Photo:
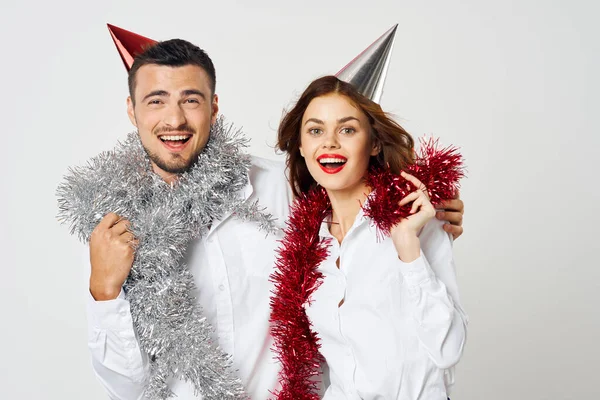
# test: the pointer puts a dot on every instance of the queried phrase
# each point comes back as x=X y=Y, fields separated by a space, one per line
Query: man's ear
x=130 y=111
x=215 y=109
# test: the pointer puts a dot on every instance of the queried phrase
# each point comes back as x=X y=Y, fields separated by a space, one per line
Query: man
x=173 y=104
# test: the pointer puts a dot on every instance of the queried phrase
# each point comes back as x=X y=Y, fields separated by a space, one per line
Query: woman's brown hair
x=395 y=143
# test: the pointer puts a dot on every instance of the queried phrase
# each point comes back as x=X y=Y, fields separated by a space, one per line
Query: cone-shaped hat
x=368 y=70
x=129 y=44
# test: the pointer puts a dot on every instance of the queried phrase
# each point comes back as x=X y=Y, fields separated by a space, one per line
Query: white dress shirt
x=400 y=328
x=231 y=267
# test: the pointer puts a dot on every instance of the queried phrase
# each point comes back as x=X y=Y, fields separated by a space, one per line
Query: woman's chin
x=343 y=187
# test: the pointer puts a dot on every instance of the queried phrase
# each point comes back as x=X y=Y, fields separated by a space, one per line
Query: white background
x=514 y=83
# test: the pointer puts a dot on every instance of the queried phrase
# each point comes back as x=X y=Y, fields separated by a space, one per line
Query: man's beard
x=176 y=165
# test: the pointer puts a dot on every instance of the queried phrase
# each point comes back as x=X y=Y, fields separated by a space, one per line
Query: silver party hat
x=368 y=70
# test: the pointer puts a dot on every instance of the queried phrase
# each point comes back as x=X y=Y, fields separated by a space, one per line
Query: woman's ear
x=376 y=148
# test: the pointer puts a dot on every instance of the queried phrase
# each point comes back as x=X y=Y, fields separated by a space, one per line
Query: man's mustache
x=182 y=128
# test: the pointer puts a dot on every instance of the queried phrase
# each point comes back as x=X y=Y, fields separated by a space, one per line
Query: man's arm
x=117 y=359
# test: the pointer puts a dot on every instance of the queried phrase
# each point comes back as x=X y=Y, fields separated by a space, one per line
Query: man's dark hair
x=174 y=53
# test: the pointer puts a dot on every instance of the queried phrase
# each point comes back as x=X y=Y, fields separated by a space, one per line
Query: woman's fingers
x=411 y=197
x=416 y=204
x=418 y=198
x=412 y=179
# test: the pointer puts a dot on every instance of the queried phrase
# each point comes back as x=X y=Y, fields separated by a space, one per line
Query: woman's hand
x=404 y=234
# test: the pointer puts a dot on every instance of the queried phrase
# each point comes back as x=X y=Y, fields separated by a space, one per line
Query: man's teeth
x=332 y=161
x=174 y=138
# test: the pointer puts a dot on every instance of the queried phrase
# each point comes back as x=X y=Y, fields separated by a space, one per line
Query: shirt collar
x=360 y=219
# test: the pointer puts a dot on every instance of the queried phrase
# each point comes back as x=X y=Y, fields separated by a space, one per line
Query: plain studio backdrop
x=513 y=83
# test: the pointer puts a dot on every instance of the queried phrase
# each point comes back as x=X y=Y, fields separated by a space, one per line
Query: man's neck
x=169 y=177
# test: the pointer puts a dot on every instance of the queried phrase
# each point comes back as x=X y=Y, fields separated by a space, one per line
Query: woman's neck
x=345 y=205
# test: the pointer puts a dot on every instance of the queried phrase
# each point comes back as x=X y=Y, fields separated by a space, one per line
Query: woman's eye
x=348 y=130
x=314 y=131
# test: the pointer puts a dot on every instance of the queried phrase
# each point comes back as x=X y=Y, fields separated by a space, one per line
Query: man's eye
x=154 y=102
x=192 y=101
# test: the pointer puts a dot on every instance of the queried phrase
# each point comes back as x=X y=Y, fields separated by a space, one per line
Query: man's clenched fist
x=111 y=256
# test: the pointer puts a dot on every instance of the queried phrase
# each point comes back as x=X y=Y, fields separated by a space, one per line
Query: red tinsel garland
x=296 y=276
x=438 y=169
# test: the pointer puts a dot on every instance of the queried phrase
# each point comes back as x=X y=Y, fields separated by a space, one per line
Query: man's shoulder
x=265 y=170
x=264 y=165
x=270 y=184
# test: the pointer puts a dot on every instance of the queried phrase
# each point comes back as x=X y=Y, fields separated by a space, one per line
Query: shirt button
x=123 y=313
x=131 y=345
x=221 y=287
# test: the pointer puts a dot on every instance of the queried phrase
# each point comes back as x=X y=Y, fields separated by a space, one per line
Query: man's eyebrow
x=156 y=93
x=189 y=92
x=318 y=121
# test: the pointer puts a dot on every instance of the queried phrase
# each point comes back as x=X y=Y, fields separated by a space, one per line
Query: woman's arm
x=441 y=322
x=427 y=265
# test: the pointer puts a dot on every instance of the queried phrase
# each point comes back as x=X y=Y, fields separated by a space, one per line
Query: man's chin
x=178 y=167
x=175 y=164
x=176 y=170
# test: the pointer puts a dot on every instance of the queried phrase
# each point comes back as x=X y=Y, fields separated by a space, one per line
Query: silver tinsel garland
x=166 y=218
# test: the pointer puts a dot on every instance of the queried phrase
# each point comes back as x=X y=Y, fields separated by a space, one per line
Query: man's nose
x=174 y=116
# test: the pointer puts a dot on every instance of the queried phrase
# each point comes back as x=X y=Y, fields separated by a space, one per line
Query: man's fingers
x=454 y=230
x=108 y=221
x=127 y=237
x=453 y=205
x=455 y=218
x=120 y=227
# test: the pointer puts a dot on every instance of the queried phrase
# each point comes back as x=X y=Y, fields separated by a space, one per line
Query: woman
x=382 y=312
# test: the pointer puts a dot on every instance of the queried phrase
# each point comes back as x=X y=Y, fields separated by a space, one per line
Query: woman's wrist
x=408 y=246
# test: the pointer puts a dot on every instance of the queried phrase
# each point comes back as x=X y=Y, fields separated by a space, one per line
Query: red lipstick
x=331 y=163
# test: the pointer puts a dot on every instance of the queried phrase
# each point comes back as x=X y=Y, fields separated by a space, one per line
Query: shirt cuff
x=114 y=315
x=417 y=272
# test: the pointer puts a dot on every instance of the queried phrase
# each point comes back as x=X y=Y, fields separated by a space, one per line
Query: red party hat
x=129 y=44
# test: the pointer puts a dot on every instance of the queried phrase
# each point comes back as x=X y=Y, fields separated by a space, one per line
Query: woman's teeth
x=332 y=161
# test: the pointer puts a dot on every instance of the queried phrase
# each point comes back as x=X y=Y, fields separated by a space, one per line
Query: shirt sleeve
x=441 y=322
x=117 y=360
